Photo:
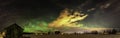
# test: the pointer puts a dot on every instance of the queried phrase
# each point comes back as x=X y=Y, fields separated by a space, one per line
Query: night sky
x=102 y=13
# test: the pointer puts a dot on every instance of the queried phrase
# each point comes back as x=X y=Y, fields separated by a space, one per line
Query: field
x=74 y=36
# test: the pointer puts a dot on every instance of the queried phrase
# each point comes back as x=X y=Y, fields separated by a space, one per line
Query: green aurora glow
x=36 y=26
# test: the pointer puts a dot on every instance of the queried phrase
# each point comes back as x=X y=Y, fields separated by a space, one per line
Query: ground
x=76 y=36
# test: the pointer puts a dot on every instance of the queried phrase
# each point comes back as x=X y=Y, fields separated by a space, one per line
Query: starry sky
x=102 y=13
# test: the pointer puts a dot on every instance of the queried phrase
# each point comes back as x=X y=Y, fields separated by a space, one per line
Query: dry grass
x=75 y=36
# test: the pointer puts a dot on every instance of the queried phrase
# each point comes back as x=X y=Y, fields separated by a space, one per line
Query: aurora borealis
x=65 y=20
x=35 y=15
x=36 y=25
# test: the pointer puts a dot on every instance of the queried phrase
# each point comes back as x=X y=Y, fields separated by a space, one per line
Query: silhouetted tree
x=94 y=32
x=49 y=32
x=113 y=31
x=57 y=32
x=75 y=33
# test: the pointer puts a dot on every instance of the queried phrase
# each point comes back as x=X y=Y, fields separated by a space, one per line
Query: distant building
x=13 y=31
